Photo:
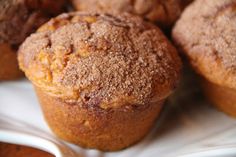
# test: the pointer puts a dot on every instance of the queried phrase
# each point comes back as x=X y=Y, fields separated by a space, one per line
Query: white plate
x=188 y=127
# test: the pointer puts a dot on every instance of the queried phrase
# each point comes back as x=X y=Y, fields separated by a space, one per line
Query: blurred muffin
x=19 y=18
x=12 y=150
x=162 y=12
x=101 y=79
x=208 y=38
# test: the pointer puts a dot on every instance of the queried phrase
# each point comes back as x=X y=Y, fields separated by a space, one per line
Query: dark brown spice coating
x=101 y=59
x=208 y=38
x=163 y=12
x=19 y=18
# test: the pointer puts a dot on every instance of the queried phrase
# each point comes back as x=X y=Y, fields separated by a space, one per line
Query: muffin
x=208 y=39
x=19 y=18
x=13 y=150
x=162 y=12
x=101 y=79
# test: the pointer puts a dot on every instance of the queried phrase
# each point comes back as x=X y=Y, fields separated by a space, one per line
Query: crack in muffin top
x=104 y=59
x=208 y=38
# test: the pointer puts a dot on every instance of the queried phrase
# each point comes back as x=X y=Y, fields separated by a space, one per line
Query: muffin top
x=104 y=59
x=19 y=18
x=164 y=12
x=208 y=38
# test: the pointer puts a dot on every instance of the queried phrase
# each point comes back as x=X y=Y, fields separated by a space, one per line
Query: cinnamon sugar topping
x=101 y=58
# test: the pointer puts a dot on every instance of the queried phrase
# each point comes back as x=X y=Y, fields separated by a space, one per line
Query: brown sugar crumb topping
x=210 y=35
x=164 y=12
x=100 y=59
x=19 y=18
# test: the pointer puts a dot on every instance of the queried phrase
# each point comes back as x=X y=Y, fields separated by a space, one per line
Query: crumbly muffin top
x=207 y=34
x=164 y=12
x=101 y=59
x=19 y=18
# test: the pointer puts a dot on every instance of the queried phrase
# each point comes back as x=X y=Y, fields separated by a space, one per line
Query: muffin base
x=9 y=69
x=93 y=127
x=222 y=97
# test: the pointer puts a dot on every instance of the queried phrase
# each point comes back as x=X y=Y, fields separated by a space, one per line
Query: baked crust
x=8 y=60
x=102 y=59
x=207 y=37
x=222 y=97
x=163 y=12
x=94 y=127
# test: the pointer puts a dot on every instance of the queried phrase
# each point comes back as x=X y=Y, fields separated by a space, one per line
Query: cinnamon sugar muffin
x=19 y=18
x=162 y=12
x=208 y=38
x=101 y=79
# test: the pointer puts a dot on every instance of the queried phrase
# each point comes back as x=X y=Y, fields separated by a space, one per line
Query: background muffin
x=208 y=40
x=101 y=79
x=12 y=150
x=19 y=18
x=162 y=12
